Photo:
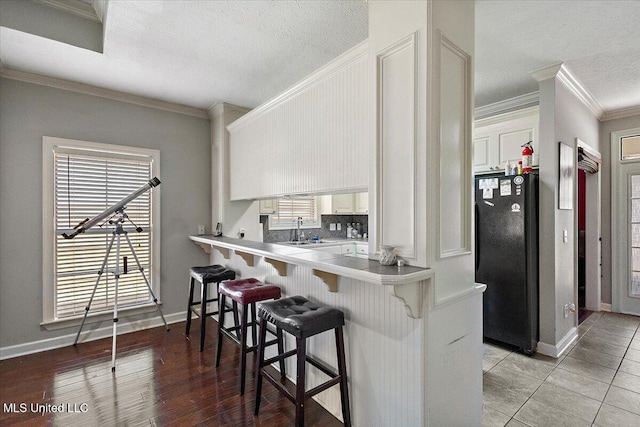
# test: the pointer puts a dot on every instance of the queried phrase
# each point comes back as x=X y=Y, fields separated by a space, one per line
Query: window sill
x=97 y=317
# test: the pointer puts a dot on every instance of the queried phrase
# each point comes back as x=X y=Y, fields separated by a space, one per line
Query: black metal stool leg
x=203 y=317
x=254 y=330
x=191 y=286
x=243 y=347
x=220 y=326
x=301 y=344
x=261 y=341
x=279 y=337
x=342 y=371
x=236 y=321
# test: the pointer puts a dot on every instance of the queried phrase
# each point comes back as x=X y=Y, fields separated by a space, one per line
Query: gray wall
x=562 y=118
x=27 y=113
x=606 y=128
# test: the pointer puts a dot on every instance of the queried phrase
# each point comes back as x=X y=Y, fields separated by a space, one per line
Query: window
x=289 y=209
x=82 y=180
x=630 y=147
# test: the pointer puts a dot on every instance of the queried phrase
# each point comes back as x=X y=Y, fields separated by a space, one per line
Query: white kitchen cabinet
x=348 y=249
x=331 y=249
x=357 y=203
x=361 y=203
x=499 y=139
x=268 y=206
x=362 y=250
x=342 y=203
x=288 y=145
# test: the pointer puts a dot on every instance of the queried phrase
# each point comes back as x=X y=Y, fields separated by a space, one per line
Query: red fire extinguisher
x=527 y=157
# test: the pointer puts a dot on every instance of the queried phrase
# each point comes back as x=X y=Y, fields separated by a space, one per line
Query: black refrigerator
x=506 y=220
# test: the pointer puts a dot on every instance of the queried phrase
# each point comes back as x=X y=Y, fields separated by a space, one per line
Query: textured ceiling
x=199 y=53
x=599 y=41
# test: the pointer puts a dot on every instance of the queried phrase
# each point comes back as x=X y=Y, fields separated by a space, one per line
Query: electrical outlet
x=241 y=233
x=338 y=226
x=201 y=229
x=332 y=227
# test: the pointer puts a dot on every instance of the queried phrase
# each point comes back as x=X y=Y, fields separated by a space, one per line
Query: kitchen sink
x=305 y=243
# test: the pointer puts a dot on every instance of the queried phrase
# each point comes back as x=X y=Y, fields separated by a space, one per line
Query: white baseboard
x=87 y=335
x=557 y=349
x=605 y=307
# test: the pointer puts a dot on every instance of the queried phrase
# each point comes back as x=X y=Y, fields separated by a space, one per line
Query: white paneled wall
x=384 y=348
x=312 y=138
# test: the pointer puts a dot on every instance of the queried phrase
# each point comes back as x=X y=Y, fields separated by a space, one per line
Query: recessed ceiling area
x=199 y=53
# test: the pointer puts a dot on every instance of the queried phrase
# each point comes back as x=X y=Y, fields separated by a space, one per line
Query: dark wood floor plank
x=161 y=379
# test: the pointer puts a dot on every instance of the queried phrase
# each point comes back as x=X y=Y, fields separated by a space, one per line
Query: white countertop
x=366 y=270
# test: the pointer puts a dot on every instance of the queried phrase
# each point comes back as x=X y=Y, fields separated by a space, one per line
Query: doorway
x=588 y=231
x=625 y=221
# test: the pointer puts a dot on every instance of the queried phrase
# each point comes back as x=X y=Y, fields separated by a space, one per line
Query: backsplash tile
x=272 y=236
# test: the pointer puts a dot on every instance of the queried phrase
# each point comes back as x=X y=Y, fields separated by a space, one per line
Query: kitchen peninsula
x=326 y=266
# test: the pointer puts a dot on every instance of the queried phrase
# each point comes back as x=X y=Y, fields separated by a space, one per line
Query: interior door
x=625 y=218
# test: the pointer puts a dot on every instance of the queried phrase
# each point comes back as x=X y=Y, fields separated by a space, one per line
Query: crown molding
x=75 y=7
x=572 y=83
x=621 y=113
x=528 y=112
x=53 y=82
x=219 y=108
x=516 y=103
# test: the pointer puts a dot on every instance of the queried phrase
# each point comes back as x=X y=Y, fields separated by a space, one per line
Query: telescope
x=87 y=223
x=118 y=232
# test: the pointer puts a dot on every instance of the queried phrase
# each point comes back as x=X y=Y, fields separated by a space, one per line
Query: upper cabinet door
x=342 y=204
x=510 y=143
x=361 y=203
x=500 y=138
x=482 y=155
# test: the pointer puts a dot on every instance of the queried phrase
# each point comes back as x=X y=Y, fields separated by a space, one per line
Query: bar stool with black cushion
x=246 y=293
x=302 y=319
x=206 y=275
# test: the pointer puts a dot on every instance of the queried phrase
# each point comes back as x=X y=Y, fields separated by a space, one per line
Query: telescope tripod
x=116 y=235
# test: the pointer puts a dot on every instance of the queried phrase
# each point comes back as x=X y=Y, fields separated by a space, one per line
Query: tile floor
x=595 y=383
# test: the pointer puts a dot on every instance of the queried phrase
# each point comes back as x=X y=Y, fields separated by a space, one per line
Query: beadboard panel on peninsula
x=313 y=138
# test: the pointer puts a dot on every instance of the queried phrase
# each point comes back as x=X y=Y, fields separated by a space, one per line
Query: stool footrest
x=279 y=357
x=322 y=367
x=195 y=311
x=279 y=386
x=322 y=387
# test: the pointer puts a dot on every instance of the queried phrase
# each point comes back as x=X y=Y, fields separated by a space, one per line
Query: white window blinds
x=289 y=209
x=86 y=183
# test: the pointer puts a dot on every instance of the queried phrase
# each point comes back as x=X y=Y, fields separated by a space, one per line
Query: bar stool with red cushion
x=246 y=292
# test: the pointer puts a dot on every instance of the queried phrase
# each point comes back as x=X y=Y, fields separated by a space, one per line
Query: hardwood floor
x=161 y=379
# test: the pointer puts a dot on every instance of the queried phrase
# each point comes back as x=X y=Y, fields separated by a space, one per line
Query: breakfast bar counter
x=366 y=270
x=403 y=346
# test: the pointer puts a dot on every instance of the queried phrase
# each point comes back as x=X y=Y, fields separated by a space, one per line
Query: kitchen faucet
x=300 y=234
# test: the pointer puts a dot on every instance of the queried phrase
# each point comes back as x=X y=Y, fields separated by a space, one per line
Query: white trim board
x=53 y=82
x=124 y=327
x=572 y=83
x=556 y=350
x=507 y=105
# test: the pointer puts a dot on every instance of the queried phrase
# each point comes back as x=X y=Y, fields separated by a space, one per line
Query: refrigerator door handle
x=477 y=232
